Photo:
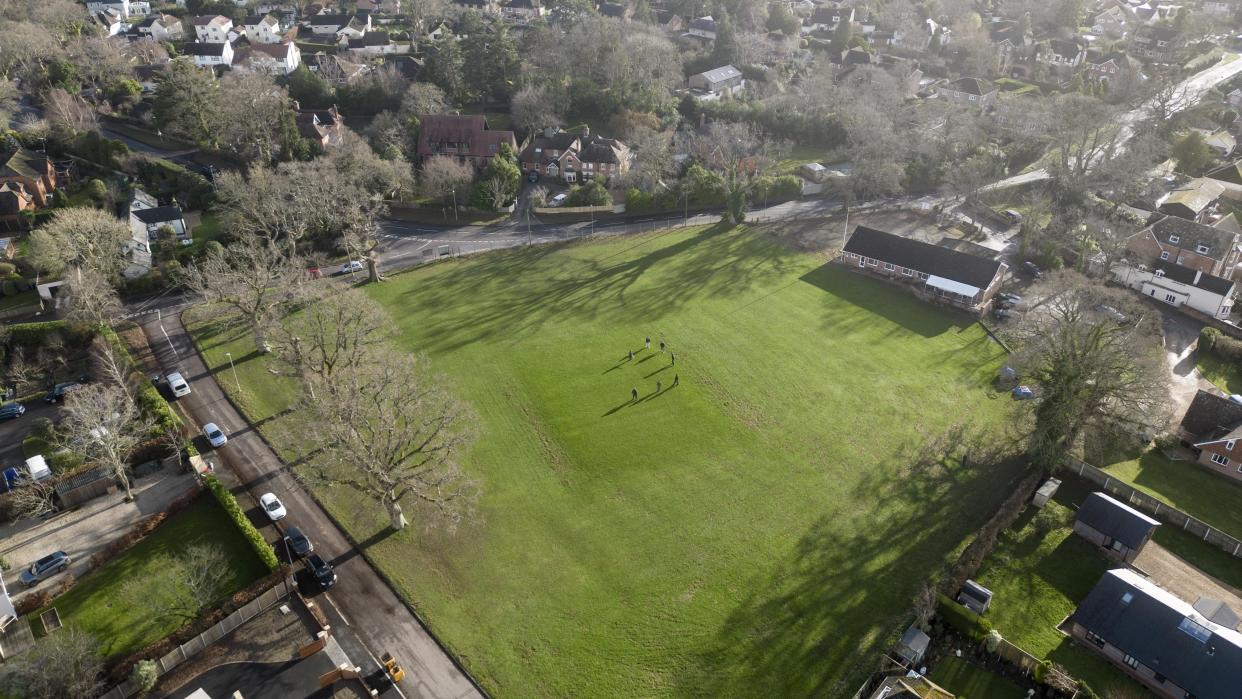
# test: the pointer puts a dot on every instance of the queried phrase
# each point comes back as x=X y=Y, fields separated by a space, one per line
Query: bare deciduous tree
x=79 y=237
x=68 y=115
x=739 y=154
x=444 y=179
x=195 y=579
x=64 y=665
x=336 y=328
x=532 y=109
x=33 y=498
x=253 y=276
x=92 y=297
x=102 y=423
x=1094 y=369
x=393 y=434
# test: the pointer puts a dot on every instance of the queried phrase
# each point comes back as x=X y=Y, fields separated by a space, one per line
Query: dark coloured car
x=60 y=390
x=9 y=411
x=1002 y=314
x=296 y=543
x=1012 y=299
x=321 y=570
x=1032 y=269
x=532 y=176
x=45 y=568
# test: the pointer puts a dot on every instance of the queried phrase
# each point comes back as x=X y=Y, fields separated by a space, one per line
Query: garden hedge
x=962 y=619
x=30 y=335
x=266 y=553
x=148 y=398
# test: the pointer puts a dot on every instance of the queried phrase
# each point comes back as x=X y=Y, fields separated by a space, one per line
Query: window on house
x=872 y=262
x=862 y=262
x=1202 y=249
x=922 y=276
x=1229 y=444
x=1131 y=661
x=908 y=272
x=1220 y=459
x=1159 y=273
x=1164 y=255
x=1127 y=598
x=1175 y=239
x=1095 y=639
x=1181 y=259
x=1170 y=298
x=888 y=266
x=1195 y=630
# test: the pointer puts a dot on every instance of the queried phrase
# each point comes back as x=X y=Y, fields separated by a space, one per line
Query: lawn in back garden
x=100 y=605
x=1187 y=486
x=759 y=530
x=969 y=681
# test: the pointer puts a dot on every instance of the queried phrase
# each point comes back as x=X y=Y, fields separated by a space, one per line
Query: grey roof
x=1064 y=47
x=1217 y=611
x=976 y=591
x=159 y=214
x=1193 y=234
x=915 y=639
x=972 y=86
x=1211 y=415
x=84 y=478
x=612 y=9
x=706 y=24
x=1116 y=519
x=924 y=257
x=1186 y=275
x=716 y=75
x=1141 y=620
x=199 y=48
x=371 y=39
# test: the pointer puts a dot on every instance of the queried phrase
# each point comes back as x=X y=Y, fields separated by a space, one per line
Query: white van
x=37 y=467
x=178 y=384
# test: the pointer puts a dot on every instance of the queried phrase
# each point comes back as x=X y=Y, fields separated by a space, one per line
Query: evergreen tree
x=444 y=68
x=841 y=37
x=725 y=49
x=781 y=19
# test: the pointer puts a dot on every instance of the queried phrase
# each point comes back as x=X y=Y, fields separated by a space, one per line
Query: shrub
x=992 y=640
x=265 y=552
x=154 y=406
x=960 y=618
x=7 y=269
x=1226 y=348
x=144 y=675
x=1207 y=338
x=76 y=336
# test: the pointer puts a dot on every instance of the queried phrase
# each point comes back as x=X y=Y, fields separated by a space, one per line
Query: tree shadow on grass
x=716 y=262
x=822 y=612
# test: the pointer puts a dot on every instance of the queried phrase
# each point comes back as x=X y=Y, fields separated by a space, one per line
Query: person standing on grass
x=676 y=379
x=631 y=355
x=648 y=343
x=634 y=394
x=672 y=356
x=658 y=385
x=661 y=346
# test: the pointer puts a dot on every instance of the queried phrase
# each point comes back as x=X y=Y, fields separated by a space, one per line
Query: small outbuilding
x=1114 y=526
x=913 y=646
x=975 y=597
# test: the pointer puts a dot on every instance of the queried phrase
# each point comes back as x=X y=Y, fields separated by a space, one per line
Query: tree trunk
x=373 y=269
x=395 y=516
x=129 y=493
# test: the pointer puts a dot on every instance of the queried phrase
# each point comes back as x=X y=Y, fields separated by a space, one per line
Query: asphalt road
x=12 y=432
x=368 y=618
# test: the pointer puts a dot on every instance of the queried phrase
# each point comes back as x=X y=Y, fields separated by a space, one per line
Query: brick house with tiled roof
x=1212 y=425
x=572 y=157
x=1197 y=246
x=465 y=137
x=942 y=274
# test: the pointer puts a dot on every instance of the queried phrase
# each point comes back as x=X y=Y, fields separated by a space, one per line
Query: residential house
x=1230 y=178
x=1180 y=286
x=1119 y=529
x=941 y=274
x=355 y=28
x=910 y=687
x=1212 y=426
x=617 y=10
x=1191 y=200
x=481 y=6
x=1113 y=22
x=1234 y=98
x=30 y=181
x=110 y=21
x=210 y=55
x=976 y=92
x=15 y=200
x=703 y=28
x=719 y=82
x=669 y=21
x=124 y=8
x=826 y=18
x=388 y=7
x=1174 y=648
x=324 y=126
x=1010 y=41
x=1189 y=244
x=148 y=222
x=136 y=253
x=148 y=76
x=1103 y=68
x=465 y=137
x=350 y=26
x=262 y=29
x=523 y=10
x=1064 y=54
x=212 y=30
x=160 y=28
x=571 y=157
x=1219 y=8
x=375 y=44
x=335 y=69
x=921 y=39
x=1157 y=44
x=273 y=59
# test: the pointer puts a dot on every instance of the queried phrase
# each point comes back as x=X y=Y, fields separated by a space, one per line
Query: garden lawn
x=1221 y=372
x=759 y=530
x=1038 y=573
x=1187 y=486
x=98 y=606
x=969 y=681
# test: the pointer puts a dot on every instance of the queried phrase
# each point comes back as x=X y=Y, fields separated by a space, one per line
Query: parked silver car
x=45 y=568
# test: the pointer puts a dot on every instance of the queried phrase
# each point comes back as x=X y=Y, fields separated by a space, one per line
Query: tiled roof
x=1211 y=414
x=972 y=86
x=1186 y=275
x=924 y=257
x=1115 y=519
x=1218 y=242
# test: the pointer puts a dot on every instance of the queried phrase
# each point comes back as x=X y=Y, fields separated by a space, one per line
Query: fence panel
x=1156 y=507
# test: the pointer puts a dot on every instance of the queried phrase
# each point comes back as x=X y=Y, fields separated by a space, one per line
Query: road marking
x=343 y=617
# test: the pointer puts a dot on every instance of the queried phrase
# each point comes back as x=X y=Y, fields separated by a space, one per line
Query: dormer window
x=1159 y=273
x=1195 y=630
x=1229 y=444
x=1202 y=249
x=1175 y=239
x=1127 y=598
x=1164 y=255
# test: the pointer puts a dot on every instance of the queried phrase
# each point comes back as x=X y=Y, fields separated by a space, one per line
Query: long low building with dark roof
x=1175 y=648
x=948 y=276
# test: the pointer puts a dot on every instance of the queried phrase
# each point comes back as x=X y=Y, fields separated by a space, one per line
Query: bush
x=265 y=552
x=1226 y=348
x=7 y=269
x=1207 y=338
x=961 y=619
x=76 y=336
x=992 y=640
x=153 y=405
x=590 y=194
x=144 y=675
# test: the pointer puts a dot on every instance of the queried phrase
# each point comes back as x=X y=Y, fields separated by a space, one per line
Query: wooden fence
x=190 y=648
x=1156 y=507
x=16 y=638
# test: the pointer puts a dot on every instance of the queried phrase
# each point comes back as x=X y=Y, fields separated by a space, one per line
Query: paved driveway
x=366 y=606
x=1181 y=578
x=12 y=432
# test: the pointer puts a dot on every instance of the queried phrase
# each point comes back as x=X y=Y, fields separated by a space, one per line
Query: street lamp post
x=234 y=368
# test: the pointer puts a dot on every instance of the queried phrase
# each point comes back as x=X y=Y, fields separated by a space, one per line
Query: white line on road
x=343 y=617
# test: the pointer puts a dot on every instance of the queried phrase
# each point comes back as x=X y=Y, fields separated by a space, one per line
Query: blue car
x=1023 y=393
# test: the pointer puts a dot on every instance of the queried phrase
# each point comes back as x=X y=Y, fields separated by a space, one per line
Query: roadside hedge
x=30 y=335
x=148 y=398
x=229 y=503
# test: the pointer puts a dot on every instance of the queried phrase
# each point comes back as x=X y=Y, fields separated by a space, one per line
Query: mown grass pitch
x=759 y=530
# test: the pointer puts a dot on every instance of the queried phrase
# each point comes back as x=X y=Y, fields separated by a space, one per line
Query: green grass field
x=1219 y=371
x=969 y=681
x=98 y=606
x=759 y=530
x=1187 y=486
x=1039 y=572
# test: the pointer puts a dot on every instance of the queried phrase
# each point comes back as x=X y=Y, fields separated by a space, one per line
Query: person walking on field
x=661 y=346
x=676 y=379
x=634 y=393
x=648 y=344
x=631 y=355
x=658 y=385
x=673 y=358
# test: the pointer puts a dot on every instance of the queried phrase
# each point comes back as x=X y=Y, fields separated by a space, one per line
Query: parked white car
x=215 y=435
x=272 y=506
x=180 y=387
x=352 y=266
x=558 y=199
